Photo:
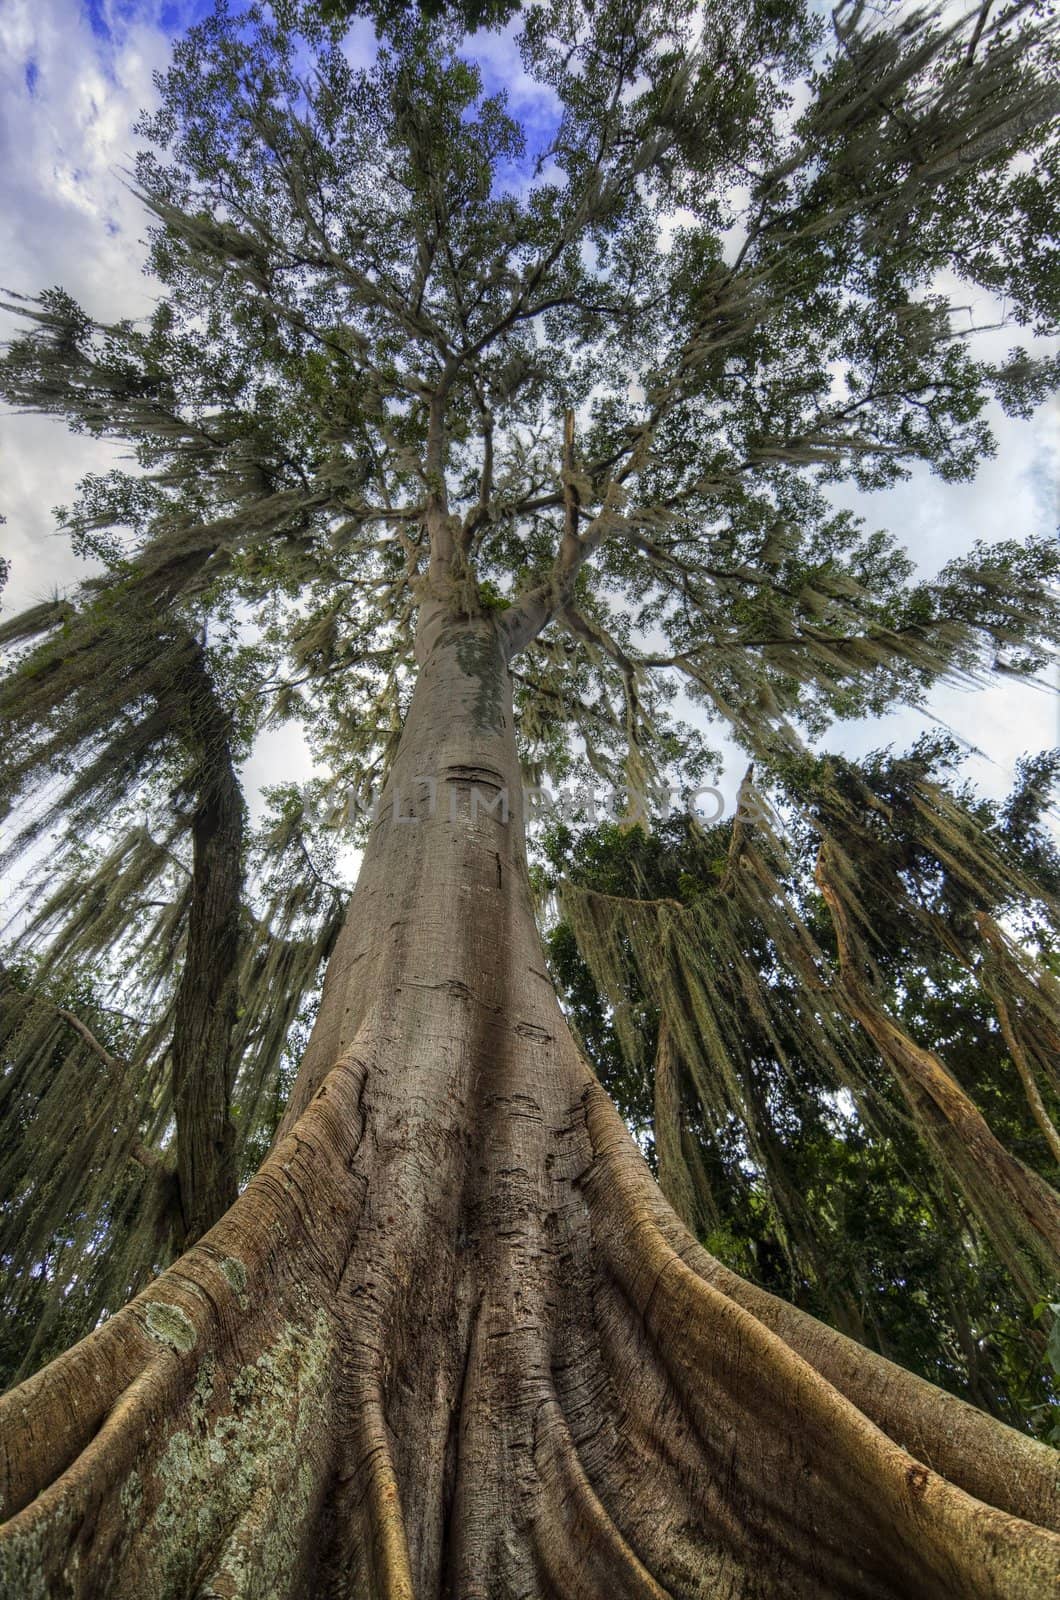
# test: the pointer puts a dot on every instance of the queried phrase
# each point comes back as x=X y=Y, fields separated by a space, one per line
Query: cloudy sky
x=73 y=77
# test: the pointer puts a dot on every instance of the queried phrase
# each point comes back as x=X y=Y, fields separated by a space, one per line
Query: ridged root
x=204 y=1397
x=778 y=1401
x=575 y=1401
x=580 y=1551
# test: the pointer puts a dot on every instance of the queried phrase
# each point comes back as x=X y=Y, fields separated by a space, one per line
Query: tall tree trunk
x=205 y=1005
x=452 y=1341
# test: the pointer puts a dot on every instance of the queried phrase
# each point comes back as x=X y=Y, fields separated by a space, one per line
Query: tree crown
x=593 y=366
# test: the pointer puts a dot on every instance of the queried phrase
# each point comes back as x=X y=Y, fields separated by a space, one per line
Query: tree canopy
x=383 y=295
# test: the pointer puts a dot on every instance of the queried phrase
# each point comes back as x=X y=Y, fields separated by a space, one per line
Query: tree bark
x=453 y=1342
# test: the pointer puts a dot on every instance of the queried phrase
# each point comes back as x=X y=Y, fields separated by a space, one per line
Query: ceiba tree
x=493 y=433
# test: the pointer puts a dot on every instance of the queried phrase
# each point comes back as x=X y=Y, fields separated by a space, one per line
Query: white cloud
x=497 y=54
x=69 y=96
x=68 y=99
x=1013 y=496
x=68 y=216
x=361 y=43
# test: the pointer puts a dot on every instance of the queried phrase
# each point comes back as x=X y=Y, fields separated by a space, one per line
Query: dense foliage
x=801 y=1167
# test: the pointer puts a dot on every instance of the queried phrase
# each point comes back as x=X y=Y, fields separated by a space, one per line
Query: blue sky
x=534 y=105
x=109 y=19
x=72 y=79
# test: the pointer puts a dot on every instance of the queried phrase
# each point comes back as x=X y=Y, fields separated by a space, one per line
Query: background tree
x=440 y=449
x=750 y=1117
x=141 y=905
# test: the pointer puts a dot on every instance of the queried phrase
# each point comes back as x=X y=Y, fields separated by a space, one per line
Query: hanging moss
x=738 y=957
